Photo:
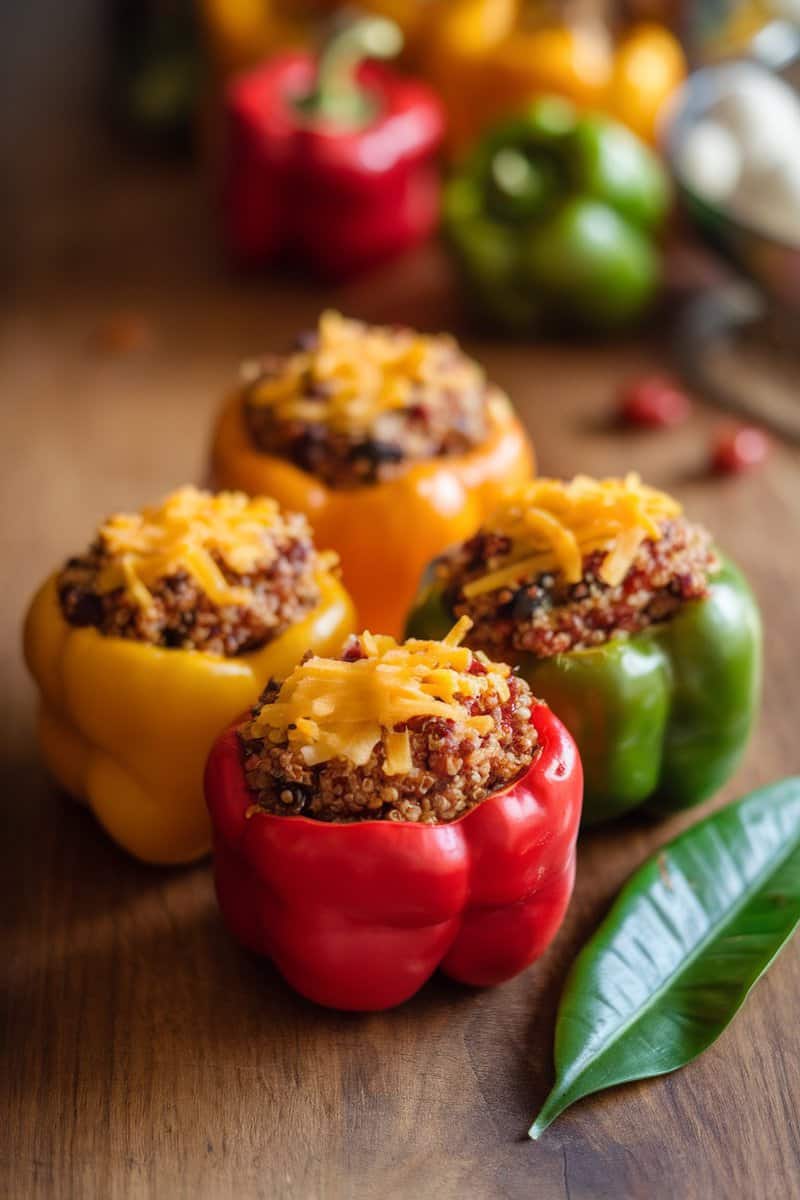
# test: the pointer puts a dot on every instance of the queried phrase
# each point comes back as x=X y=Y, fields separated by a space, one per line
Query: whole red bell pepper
x=358 y=916
x=331 y=160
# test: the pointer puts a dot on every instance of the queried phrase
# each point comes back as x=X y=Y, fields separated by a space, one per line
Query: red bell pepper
x=358 y=916
x=331 y=160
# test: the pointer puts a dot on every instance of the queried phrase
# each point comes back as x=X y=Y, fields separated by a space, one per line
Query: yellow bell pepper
x=126 y=727
x=384 y=533
x=487 y=64
x=648 y=66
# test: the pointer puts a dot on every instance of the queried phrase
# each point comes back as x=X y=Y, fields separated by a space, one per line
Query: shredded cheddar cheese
x=330 y=708
x=357 y=372
x=189 y=531
x=553 y=525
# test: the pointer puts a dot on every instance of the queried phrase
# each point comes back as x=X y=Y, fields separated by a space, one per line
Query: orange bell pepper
x=384 y=533
x=648 y=67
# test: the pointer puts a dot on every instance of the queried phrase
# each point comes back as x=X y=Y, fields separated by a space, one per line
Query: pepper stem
x=337 y=95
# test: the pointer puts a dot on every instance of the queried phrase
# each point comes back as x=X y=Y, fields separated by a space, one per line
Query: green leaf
x=685 y=941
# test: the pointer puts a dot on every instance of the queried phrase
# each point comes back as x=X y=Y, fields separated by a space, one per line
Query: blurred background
x=147 y=148
x=172 y=206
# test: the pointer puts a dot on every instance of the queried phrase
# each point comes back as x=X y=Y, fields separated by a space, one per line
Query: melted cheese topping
x=330 y=708
x=184 y=533
x=358 y=372
x=553 y=525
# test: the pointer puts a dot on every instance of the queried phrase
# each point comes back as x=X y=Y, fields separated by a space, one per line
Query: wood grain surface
x=144 y=1054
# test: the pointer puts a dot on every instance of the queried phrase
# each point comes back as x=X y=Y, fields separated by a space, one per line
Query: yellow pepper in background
x=384 y=533
x=487 y=63
x=126 y=727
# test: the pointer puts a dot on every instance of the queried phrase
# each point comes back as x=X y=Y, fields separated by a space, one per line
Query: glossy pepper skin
x=488 y=63
x=384 y=533
x=553 y=221
x=337 y=194
x=126 y=727
x=661 y=718
x=359 y=916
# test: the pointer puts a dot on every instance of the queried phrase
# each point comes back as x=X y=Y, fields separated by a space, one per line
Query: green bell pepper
x=553 y=220
x=662 y=717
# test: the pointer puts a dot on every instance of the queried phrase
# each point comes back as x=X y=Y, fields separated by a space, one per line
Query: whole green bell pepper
x=661 y=718
x=553 y=219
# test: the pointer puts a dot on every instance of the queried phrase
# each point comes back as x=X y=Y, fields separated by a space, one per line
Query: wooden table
x=145 y=1054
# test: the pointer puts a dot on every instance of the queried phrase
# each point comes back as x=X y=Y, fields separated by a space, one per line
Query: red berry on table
x=654 y=401
x=738 y=449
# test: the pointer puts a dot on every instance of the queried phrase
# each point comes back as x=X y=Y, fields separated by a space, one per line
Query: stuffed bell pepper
x=626 y=619
x=554 y=221
x=145 y=646
x=401 y=808
x=393 y=443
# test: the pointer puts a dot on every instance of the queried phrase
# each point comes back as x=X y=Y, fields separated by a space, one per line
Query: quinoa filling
x=199 y=593
x=356 y=404
x=450 y=765
x=544 y=615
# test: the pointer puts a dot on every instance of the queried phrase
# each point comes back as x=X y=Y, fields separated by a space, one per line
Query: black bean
x=376 y=452
x=525 y=603
x=82 y=608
